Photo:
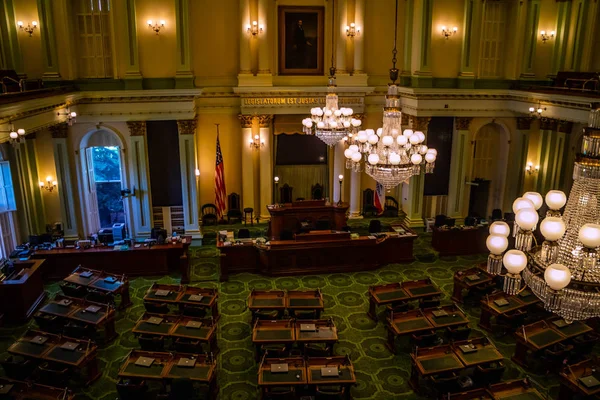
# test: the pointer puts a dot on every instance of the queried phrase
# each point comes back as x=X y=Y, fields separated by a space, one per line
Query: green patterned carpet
x=381 y=376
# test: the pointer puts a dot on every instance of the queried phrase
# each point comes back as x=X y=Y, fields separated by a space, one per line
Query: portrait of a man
x=301 y=40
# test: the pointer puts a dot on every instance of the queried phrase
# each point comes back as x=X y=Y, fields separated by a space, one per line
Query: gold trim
x=587 y=162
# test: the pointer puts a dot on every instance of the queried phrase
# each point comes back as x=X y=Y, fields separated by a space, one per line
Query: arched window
x=104 y=174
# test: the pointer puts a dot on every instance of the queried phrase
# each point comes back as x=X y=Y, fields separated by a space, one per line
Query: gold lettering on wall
x=284 y=101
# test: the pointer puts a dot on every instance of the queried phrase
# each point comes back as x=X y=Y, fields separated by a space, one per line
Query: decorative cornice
x=59 y=131
x=523 y=123
x=245 y=120
x=136 y=128
x=462 y=124
x=264 y=121
x=565 y=126
x=419 y=123
x=186 y=126
x=548 y=124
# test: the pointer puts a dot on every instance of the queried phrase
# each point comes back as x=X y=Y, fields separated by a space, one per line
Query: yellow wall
x=544 y=51
x=31 y=47
x=46 y=167
x=157 y=53
x=445 y=53
x=379 y=36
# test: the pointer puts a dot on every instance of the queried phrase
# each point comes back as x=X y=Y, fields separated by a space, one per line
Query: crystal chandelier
x=563 y=272
x=331 y=123
x=390 y=155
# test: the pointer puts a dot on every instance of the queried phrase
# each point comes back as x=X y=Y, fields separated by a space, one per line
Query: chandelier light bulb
x=394 y=159
x=401 y=140
x=499 y=228
x=408 y=133
x=356 y=157
x=149 y=22
x=416 y=159
x=414 y=139
x=373 y=159
x=423 y=149
x=535 y=198
x=21 y=132
x=361 y=137
x=354 y=148
x=526 y=218
x=387 y=140
x=531 y=109
x=432 y=151
x=589 y=235
x=373 y=139
x=348 y=153
x=514 y=261
x=19 y=23
x=539 y=110
x=421 y=136
x=496 y=244
x=556 y=199
x=557 y=276
x=521 y=203
x=73 y=114
x=552 y=228
x=430 y=157
x=13 y=135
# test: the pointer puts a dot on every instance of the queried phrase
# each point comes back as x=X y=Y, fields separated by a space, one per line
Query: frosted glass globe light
x=379 y=131
x=421 y=136
x=362 y=136
x=373 y=139
x=496 y=244
x=430 y=157
x=556 y=199
x=337 y=113
x=500 y=228
x=432 y=151
x=414 y=139
x=589 y=235
x=401 y=140
x=514 y=261
x=423 y=149
x=535 y=198
x=320 y=124
x=394 y=158
x=416 y=159
x=369 y=132
x=353 y=147
x=552 y=228
x=13 y=135
x=526 y=218
x=557 y=276
x=408 y=133
x=521 y=203
x=356 y=157
x=348 y=153
x=373 y=159
x=387 y=140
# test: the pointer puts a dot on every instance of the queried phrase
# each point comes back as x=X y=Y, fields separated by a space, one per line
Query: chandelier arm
x=394 y=70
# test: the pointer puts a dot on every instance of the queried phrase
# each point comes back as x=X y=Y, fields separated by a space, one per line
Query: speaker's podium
x=305 y=216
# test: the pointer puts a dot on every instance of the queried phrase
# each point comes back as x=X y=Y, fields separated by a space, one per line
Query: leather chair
x=48 y=323
x=555 y=357
x=156 y=308
x=234 y=207
x=243 y=233
x=53 y=375
x=509 y=322
x=131 y=390
x=16 y=367
x=317 y=350
x=375 y=226
x=427 y=339
x=279 y=392
x=274 y=350
x=429 y=302
x=266 y=314
x=489 y=374
x=584 y=344
x=182 y=345
x=397 y=308
x=79 y=330
x=445 y=383
x=440 y=220
x=190 y=310
x=458 y=333
x=304 y=314
x=152 y=343
x=330 y=392
x=322 y=225
x=97 y=296
x=496 y=214
x=182 y=389
x=316 y=192
x=73 y=290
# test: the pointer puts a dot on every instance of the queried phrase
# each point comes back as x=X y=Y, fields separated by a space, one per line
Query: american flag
x=379 y=197
x=220 y=192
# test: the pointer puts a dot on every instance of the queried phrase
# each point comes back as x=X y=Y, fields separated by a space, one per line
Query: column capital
x=136 y=128
x=523 y=123
x=59 y=131
x=462 y=124
x=359 y=116
x=565 y=126
x=245 y=120
x=419 y=123
x=186 y=126
x=548 y=124
x=265 y=120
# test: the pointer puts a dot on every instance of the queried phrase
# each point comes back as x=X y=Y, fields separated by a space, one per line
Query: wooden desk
x=459 y=241
x=273 y=332
x=23 y=292
x=77 y=311
x=296 y=374
x=20 y=390
x=541 y=335
x=485 y=352
x=469 y=279
x=98 y=280
x=520 y=389
x=237 y=258
x=316 y=236
x=346 y=377
x=399 y=292
x=305 y=300
x=326 y=332
x=570 y=384
x=454 y=317
x=431 y=361
x=207 y=333
x=141 y=261
x=489 y=307
x=266 y=300
x=289 y=216
x=82 y=358
x=179 y=295
x=175 y=294
x=164 y=328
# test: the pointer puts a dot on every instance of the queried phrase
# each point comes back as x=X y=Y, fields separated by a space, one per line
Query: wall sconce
x=546 y=36
x=256 y=142
x=352 y=30
x=537 y=112
x=49 y=185
x=255 y=28
x=15 y=136
x=447 y=33
x=156 y=27
x=29 y=28
x=530 y=170
x=71 y=116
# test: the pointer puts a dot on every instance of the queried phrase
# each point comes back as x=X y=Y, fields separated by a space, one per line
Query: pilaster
x=265 y=123
x=412 y=193
x=63 y=178
x=11 y=57
x=184 y=78
x=473 y=16
x=340 y=32
x=140 y=178
x=458 y=168
x=531 y=29
x=581 y=31
x=33 y=205
x=46 y=27
x=358 y=41
x=133 y=77
x=249 y=190
x=520 y=144
x=187 y=156
x=563 y=22
x=245 y=64
x=408 y=40
x=548 y=142
x=421 y=51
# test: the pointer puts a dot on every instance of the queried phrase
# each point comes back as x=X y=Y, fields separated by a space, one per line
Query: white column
x=184 y=78
x=265 y=38
x=244 y=43
x=187 y=156
x=548 y=144
x=340 y=31
x=140 y=180
x=248 y=192
x=458 y=169
x=33 y=205
x=63 y=178
x=46 y=26
x=421 y=46
x=355 y=186
x=339 y=166
x=359 y=42
x=412 y=194
x=266 y=166
x=518 y=148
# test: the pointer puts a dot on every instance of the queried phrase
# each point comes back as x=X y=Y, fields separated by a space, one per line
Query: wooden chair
x=156 y=308
x=48 y=323
x=458 y=333
x=182 y=345
x=209 y=214
x=391 y=207
x=53 y=375
x=316 y=192
x=243 y=233
x=152 y=343
x=369 y=203
x=375 y=226
x=190 y=310
x=250 y=211
x=486 y=375
x=279 y=392
x=73 y=290
x=285 y=194
x=131 y=390
x=234 y=207
x=18 y=368
x=330 y=392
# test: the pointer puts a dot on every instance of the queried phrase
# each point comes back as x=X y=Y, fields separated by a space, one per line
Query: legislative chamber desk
x=135 y=261
x=317 y=252
x=455 y=241
x=19 y=390
x=294 y=216
x=22 y=292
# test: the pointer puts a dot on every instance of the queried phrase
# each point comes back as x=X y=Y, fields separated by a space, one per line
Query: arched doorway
x=103 y=177
x=489 y=168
